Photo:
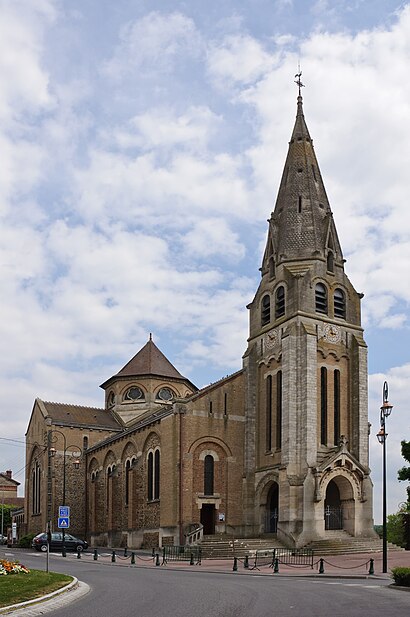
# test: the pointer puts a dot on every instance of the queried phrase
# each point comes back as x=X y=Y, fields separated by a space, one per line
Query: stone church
x=279 y=447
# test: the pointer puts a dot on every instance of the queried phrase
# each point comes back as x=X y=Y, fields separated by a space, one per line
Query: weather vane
x=298 y=81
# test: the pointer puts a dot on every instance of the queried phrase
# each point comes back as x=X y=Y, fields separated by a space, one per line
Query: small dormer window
x=321 y=298
x=134 y=394
x=111 y=399
x=165 y=394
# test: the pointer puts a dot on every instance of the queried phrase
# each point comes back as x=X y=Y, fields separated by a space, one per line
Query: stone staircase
x=226 y=547
x=341 y=543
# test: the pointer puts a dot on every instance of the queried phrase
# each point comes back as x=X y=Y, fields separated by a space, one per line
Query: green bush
x=25 y=541
x=401 y=576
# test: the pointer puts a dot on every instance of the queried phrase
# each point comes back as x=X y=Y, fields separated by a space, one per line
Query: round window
x=165 y=394
x=133 y=394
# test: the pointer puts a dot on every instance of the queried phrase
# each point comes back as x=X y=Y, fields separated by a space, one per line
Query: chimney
x=9 y=473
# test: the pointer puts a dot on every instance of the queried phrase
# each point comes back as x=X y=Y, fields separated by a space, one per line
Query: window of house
x=127 y=482
x=321 y=298
x=280 y=302
x=339 y=303
x=165 y=394
x=265 y=310
x=330 y=262
x=336 y=405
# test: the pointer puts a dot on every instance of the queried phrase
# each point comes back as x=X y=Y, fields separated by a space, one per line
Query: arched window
x=265 y=310
x=323 y=406
x=339 y=303
x=321 y=298
x=336 y=407
x=165 y=394
x=36 y=489
x=269 y=413
x=280 y=302
x=279 y=410
x=111 y=399
x=208 y=475
x=134 y=394
x=150 y=477
x=156 y=473
x=153 y=475
x=127 y=482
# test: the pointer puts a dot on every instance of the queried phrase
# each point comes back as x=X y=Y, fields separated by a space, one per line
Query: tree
x=404 y=473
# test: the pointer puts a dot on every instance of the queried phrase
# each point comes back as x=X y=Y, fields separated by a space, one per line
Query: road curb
x=50 y=599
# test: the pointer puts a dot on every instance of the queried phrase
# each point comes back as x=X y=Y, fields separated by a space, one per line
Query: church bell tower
x=306 y=453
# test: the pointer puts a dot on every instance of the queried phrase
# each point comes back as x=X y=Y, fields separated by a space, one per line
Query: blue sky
x=142 y=146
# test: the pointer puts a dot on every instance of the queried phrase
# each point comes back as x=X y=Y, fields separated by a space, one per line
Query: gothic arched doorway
x=272 y=509
x=333 y=507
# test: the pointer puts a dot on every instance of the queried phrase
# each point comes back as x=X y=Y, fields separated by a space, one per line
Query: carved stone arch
x=347 y=482
x=134 y=384
x=273 y=356
x=128 y=451
x=151 y=441
x=336 y=353
x=267 y=497
x=93 y=465
x=109 y=459
x=210 y=439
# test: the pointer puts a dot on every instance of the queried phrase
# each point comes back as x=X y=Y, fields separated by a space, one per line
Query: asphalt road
x=159 y=592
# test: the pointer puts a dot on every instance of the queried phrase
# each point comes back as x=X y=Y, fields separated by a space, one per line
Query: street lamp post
x=53 y=452
x=385 y=411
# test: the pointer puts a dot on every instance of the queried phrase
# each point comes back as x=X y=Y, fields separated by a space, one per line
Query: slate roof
x=79 y=415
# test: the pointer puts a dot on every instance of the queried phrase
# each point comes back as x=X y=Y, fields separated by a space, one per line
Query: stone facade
x=279 y=447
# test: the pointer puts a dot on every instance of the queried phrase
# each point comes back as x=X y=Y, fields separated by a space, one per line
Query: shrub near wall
x=401 y=576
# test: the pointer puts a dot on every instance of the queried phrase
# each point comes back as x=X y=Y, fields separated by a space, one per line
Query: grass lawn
x=16 y=588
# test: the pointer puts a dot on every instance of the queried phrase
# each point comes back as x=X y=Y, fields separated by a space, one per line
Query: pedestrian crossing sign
x=63 y=522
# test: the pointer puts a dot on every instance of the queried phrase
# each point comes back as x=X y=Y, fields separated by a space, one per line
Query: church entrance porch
x=339 y=505
x=272 y=509
x=208 y=518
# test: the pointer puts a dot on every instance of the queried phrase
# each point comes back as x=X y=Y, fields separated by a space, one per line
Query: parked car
x=3 y=539
x=71 y=543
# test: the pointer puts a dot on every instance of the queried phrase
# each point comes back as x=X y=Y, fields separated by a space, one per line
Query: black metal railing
x=288 y=556
x=181 y=553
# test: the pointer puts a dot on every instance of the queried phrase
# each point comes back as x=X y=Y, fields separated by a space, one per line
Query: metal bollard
x=321 y=566
x=371 y=568
x=191 y=561
x=276 y=566
x=113 y=557
x=235 y=564
x=126 y=551
x=153 y=551
x=157 y=559
x=78 y=553
x=246 y=562
x=132 y=558
x=95 y=555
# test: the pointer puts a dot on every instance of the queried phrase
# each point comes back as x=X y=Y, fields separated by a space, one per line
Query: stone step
x=220 y=547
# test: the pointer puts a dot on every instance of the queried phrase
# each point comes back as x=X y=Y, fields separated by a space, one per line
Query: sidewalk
x=349 y=566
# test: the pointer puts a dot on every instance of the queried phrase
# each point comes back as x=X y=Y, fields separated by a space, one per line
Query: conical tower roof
x=149 y=361
x=301 y=226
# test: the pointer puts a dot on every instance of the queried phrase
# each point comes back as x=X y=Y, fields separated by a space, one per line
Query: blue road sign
x=64 y=511
x=63 y=522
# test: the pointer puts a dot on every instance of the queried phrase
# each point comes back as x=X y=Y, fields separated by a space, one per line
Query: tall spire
x=301 y=226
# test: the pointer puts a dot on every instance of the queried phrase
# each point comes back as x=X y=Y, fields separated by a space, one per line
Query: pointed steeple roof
x=150 y=361
x=301 y=225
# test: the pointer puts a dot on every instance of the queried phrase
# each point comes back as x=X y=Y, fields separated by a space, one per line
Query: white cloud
x=153 y=43
x=161 y=128
x=239 y=58
x=212 y=237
